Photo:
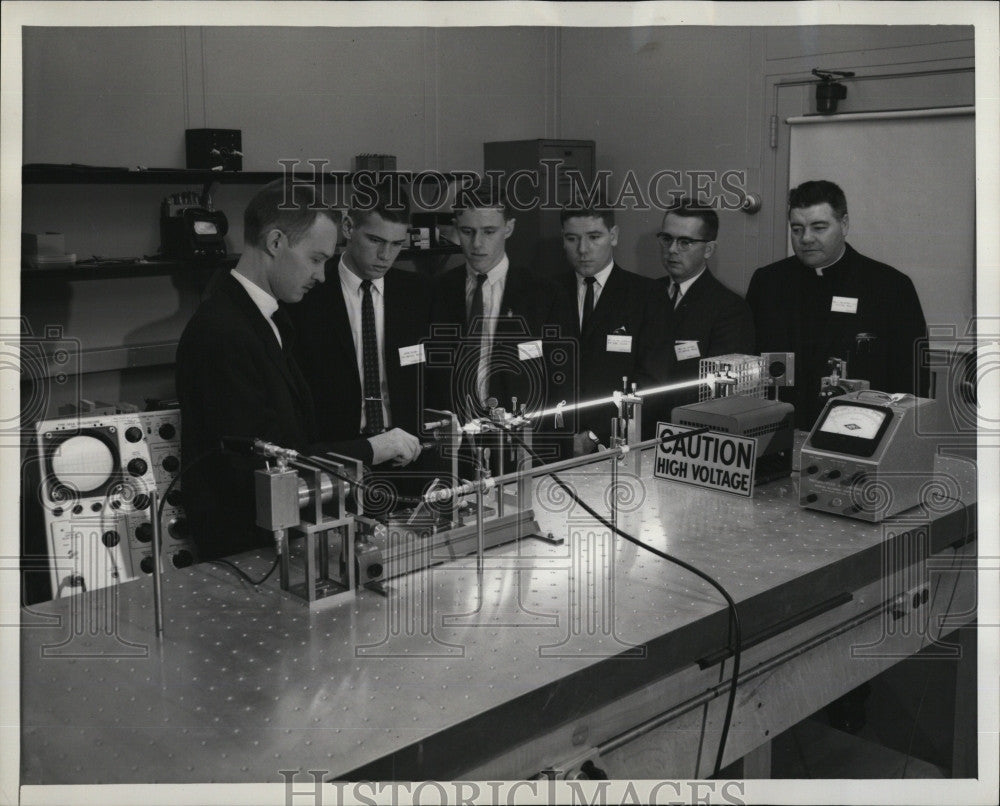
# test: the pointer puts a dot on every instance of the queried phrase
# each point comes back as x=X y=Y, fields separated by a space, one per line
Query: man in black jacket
x=704 y=318
x=360 y=334
x=829 y=301
x=499 y=324
x=237 y=375
x=619 y=319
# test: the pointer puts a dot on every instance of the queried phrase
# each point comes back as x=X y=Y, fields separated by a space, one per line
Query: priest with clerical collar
x=830 y=301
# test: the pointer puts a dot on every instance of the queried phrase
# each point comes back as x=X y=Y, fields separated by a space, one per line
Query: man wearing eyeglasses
x=830 y=301
x=704 y=318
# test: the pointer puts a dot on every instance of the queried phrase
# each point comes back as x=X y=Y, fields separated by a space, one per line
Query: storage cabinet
x=537 y=239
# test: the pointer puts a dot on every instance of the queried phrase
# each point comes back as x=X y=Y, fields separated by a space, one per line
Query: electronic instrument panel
x=97 y=475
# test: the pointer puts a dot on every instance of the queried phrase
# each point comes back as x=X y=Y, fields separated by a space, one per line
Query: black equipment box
x=214 y=149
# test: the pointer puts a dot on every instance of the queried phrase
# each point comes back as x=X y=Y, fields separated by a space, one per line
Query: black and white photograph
x=500 y=402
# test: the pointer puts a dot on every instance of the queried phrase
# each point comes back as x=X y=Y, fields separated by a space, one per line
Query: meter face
x=854 y=429
x=205 y=228
x=854 y=421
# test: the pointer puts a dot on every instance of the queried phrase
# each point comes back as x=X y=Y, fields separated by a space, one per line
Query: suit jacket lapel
x=698 y=289
x=513 y=300
x=340 y=330
x=569 y=282
x=262 y=329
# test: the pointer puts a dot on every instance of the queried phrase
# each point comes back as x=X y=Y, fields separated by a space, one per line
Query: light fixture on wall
x=829 y=91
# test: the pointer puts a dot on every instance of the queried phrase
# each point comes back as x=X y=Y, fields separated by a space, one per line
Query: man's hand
x=585 y=442
x=396 y=446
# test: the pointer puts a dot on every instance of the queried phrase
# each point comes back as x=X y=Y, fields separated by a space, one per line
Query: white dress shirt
x=493 y=288
x=350 y=286
x=265 y=303
x=581 y=288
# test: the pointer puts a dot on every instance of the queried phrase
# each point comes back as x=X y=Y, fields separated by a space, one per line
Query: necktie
x=478 y=310
x=374 y=422
x=674 y=293
x=588 y=303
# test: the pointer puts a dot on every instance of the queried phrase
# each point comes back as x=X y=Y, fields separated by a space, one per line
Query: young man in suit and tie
x=502 y=323
x=618 y=318
x=236 y=371
x=704 y=318
x=361 y=332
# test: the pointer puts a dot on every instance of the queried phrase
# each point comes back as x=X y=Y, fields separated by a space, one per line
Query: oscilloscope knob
x=167 y=431
x=178 y=528
x=182 y=559
x=171 y=463
x=133 y=434
x=137 y=467
x=144 y=532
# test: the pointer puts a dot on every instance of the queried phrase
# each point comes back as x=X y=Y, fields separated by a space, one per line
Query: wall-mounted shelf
x=151 y=268
x=121 y=270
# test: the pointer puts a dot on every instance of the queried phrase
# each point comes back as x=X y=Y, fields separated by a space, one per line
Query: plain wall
x=686 y=99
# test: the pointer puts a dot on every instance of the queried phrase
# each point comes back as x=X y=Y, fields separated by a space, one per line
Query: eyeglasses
x=683 y=244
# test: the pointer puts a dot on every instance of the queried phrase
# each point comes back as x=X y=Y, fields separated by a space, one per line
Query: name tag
x=414 y=354
x=844 y=305
x=528 y=350
x=619 y=344
x=686 y=349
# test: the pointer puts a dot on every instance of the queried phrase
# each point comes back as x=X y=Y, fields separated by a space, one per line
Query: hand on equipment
x=585 y=442
x=396 y=446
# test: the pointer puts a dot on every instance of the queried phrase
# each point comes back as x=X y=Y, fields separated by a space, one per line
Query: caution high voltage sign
x=717 y=461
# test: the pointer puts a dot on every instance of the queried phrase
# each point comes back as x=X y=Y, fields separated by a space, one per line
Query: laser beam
x=587 y=404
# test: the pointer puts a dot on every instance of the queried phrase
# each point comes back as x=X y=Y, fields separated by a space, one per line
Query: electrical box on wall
x=214 y=149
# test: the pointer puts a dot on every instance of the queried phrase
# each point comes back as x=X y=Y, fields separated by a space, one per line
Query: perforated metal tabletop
x=247 y=682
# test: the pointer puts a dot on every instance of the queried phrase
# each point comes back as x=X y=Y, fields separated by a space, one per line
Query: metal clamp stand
x=449 y=431
x=281 y=494
x=626 y=427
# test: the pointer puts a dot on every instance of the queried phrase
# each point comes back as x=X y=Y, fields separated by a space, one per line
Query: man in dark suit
x=829 y=301
x=236 y=373
x=500 y=325
x=618 y=318
x=367 y=384
x=704 y=318
x=330 y=324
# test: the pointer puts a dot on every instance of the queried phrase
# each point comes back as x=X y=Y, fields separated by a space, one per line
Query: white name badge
x=844 y=305
x=528 y=350
x=686 y=349
x=619 y=344
x=414 y=354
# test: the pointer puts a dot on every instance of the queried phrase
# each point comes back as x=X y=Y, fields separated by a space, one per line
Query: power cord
x=735 y=630
x=220 y=561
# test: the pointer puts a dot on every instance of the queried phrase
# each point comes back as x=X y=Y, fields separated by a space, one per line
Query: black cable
x=244 y=574
x=233 y=566
x=735 y=629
